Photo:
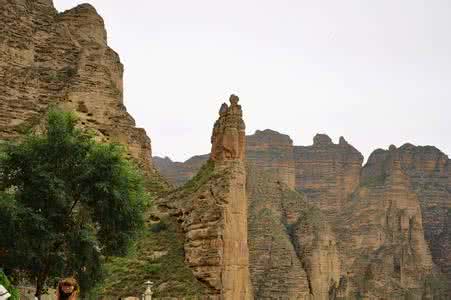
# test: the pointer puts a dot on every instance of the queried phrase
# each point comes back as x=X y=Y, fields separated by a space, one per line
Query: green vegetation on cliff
x=204 y=174
x=158 y=256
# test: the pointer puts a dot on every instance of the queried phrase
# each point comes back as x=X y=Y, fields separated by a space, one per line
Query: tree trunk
x=38 y=292
x=42 y=276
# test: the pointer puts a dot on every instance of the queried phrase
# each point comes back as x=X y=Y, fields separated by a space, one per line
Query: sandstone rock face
x=276 y=271
x=372 y=247
x=48 y=58
x=293 y=253
x=429 y=173
x=272 y=152
x=382 y=239
x=316 y=245
x=212 y=210
x=327 y=173
x=178 y=173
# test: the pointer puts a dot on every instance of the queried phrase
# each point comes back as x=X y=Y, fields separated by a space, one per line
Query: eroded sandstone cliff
x=63 y=59
x=327 y=173
x=427 y=170
x=382 y=239
x=377 y=232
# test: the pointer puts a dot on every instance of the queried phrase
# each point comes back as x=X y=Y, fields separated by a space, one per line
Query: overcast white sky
x=376 y=72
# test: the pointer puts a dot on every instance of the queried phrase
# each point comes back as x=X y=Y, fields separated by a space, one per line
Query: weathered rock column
x=228 y=151
x=212 y=212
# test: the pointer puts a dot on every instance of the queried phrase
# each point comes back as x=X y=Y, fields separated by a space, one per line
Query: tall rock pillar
x=228 y=152
x=212 y=210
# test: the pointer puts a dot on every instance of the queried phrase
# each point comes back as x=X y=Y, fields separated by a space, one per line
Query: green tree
x=66 y=203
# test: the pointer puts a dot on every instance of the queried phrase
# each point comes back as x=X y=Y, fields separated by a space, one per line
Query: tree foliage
x=66 y=203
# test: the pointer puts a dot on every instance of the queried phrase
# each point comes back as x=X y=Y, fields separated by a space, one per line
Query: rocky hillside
x=387 y=223
x=50 y=58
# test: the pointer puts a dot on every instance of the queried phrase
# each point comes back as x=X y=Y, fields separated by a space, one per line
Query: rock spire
x=228 y=138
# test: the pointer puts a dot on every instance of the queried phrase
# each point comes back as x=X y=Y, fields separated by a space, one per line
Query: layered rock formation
x=49 y=58
x=427 y=170
x=327 y=173
x=212 y=210
x=382 y=239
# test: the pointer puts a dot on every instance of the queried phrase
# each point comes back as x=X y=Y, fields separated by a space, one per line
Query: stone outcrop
x=327 y=173
x=212 y=211
x=50 y=58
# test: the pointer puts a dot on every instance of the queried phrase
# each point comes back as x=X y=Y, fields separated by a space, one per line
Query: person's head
x=68 y=287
